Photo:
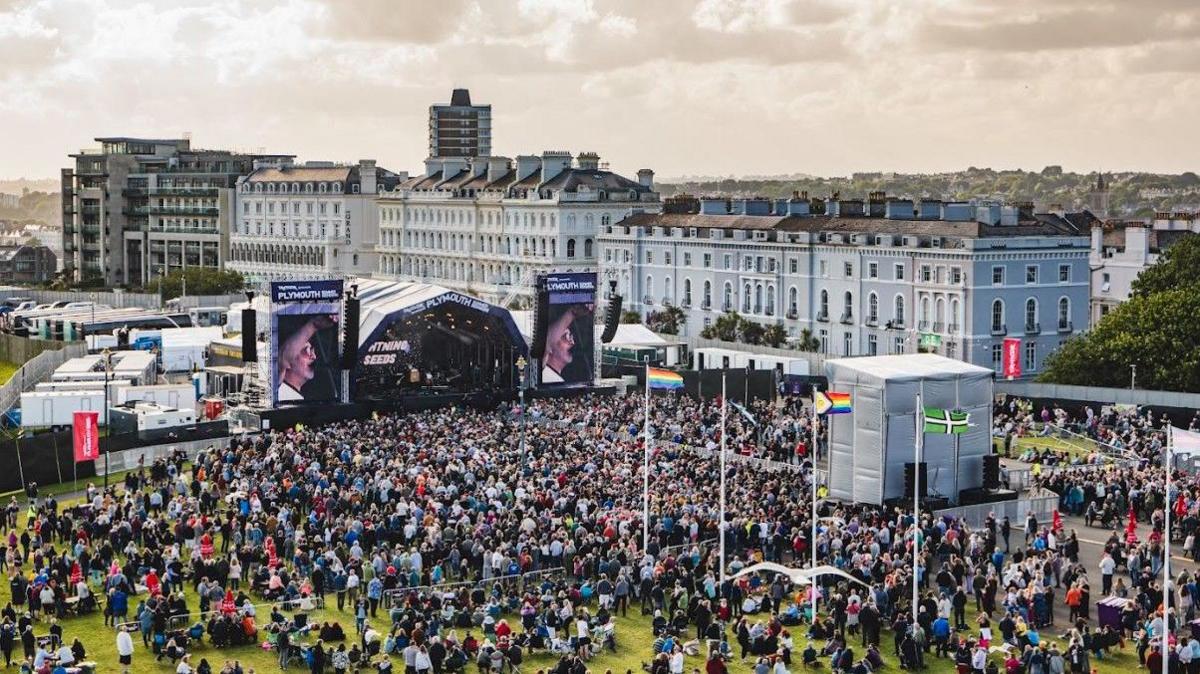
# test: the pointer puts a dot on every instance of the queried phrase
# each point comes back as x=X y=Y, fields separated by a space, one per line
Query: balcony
x=1033 y=328
x=848 y=318
x=939 y=327
x=648 y=300
x=686 y=303
x=666 y=300
x=728 y=306
x=136 y=192
x=706 y=305
x=1066 y=326
x=91 y=229
x=823 y=317
x=999 y=329
x=922 y=326
x=212 y=231
x=954 y=328
x=172 y=210
x=793 y=314
x=895 y=325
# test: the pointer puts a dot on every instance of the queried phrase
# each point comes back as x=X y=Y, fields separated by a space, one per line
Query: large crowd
x=450 y=539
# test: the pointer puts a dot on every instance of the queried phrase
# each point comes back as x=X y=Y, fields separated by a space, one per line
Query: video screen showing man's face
x=308 y=358
x=567 y=357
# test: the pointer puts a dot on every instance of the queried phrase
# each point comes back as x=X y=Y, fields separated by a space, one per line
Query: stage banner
x=305 y=344
x=87 y=436
x=1011 y=357
x=568 y=356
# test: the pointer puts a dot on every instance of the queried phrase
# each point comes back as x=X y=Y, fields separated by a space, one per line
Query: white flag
x=1184 y=442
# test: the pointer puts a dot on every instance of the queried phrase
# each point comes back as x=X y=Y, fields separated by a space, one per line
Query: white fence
x=37 y=369
x=1042 y=505
x=1124 y=396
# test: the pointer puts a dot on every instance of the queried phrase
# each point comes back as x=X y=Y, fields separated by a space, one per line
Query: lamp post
x=521 y=363
x=107 y=368
x=1132 y=376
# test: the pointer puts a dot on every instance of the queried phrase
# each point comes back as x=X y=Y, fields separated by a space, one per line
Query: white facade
x=315 y=220
x=487 y=225
x=1121 y=250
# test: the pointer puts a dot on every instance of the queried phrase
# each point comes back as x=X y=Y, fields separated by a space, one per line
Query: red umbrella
x=1056 y=525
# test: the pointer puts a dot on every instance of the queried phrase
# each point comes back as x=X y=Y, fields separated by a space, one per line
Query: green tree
x=726 y=328
x=630 y=316
x=1159 y=332
x=200 y=281
x=807 y=341
x=774 y=335
x=1178 y=267
x=752 y=333
x=667 y=321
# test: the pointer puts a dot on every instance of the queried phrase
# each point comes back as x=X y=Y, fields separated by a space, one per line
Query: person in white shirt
x=125 y=649
x=675 y=664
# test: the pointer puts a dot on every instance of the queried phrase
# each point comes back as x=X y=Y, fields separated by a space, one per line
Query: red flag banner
x=1011 y=357
x=87 y=436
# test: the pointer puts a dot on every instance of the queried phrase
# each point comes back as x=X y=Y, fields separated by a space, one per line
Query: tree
x=1159 y=332
x=752 y=333
x=200 y=281
x=726 y=328
x=807 y=341
x=630 y=317
x=667 y=321
x=774 y=335
x=1178 y=267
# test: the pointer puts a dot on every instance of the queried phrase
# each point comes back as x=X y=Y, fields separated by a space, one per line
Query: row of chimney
x=878 y=205
x=549 y=165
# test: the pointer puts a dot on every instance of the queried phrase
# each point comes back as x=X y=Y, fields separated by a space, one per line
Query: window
x=899 y=272
x=898 y=345
x=824 y=340
x=793 y=266
x=667 y=258
x=687 y=259
x=824 y=303
x=926 y=273
x=649 y=286
x=245 y=206
x=728 y=304
x=707 y=260
x=1030 y=356
x=707 y=294
x=1031 y=315
x=872 y=308
x=848 y=268
x=587 y=248
x=898 y=313
x=1064 y=313
x=687 y=292
x=649 y=257
x=997 y=356
x=337 y=208
x=1031 y=273
x=847 y=344
x=771 y=265
x=997 y=316
x=872 y=345
x=997 y=276
x=1064 y=273
x=608 y=255
x=955 y=275
x=824 y=269
x=848 y=301
x=728 y=261
x=746 y=299
x=872 y=270
x=770 y=300
x=792 y=296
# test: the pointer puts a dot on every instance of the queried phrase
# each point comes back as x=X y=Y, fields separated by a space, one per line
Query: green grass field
x=1075 y=446
x=7 y=369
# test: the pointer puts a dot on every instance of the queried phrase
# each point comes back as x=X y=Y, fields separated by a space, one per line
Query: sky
x=685 y=87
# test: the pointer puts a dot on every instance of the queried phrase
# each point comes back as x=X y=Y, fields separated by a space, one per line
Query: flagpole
x=920 y=432
x=721 y=525
x=1166 y=635
x=812 y=544
x=646 y=468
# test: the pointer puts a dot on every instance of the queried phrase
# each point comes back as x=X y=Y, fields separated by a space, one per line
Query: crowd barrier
x=1042 y=505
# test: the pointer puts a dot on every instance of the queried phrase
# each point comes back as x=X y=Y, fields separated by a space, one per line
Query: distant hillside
x=43 y=207
x=19 y=185
x=1132 y=194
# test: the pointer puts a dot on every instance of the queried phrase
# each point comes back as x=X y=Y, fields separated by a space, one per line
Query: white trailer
x=144 y=416
x=181 y=396
x=183 y=348
x=113 y=385
x=713 y=358
x=57 y=408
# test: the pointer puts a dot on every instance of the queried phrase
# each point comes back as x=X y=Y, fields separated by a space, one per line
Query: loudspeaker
x=122 y=338
x=350 y=345
x=922 y=485
x=540 y=312
x=991 y=471
x=612 y=318
x=249 y=336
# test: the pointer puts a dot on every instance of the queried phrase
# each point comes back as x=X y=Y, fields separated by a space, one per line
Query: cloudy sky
x=687 y=87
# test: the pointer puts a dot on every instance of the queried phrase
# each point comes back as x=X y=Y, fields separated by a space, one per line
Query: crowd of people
x=443 y=540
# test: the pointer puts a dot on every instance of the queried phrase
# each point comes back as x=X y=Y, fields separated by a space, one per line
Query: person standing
x=124 y=649
x=1107 y=567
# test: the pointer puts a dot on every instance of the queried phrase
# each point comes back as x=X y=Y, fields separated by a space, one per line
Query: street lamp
x=1132 y=376
x=521 y=363
x=107 y=369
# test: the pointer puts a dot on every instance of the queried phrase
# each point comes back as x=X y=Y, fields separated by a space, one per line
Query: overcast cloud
x=682 y=86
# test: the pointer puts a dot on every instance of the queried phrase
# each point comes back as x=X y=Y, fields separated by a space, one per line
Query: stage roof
x=384 y=302
x=907 y=367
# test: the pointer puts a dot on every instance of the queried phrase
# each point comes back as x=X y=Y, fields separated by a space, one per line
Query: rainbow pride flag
x=832 y=403
x=663 y=379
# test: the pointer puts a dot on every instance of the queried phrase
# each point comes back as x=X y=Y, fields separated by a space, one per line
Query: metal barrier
x=35 y=370
x=390 y=596
x=1042 y=505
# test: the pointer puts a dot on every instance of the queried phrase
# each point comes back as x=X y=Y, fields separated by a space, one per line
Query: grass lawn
x=1074 y=446
x=7 y=370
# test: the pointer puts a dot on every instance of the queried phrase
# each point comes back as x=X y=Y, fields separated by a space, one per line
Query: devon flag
x=945 y=422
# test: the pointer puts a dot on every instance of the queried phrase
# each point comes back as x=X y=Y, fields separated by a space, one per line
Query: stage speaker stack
x=249 y=336
x=612 y=318
x=991 y=471
x=350 y=339
x=911 y=471
x=540 y=310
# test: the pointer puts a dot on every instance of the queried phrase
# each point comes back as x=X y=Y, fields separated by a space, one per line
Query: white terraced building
x=488 y=225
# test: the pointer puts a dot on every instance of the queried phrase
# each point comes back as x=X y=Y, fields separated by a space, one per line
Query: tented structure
x=869 y=446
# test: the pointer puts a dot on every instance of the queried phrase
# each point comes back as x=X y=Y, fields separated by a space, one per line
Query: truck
x=56 y=409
